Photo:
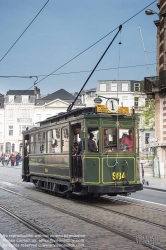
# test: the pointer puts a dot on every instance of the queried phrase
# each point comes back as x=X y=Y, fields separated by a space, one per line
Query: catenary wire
x=23 y=31
x=97 y=41
x=83 y=71
x=91 y=45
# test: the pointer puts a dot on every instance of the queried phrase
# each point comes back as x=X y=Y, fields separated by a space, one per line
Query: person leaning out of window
x=91 y=143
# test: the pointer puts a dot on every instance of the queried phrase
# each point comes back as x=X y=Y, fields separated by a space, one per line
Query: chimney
x=37 y=92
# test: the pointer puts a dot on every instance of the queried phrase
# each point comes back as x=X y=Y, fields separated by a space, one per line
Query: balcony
x=162 y=80
x=149 y=84
x=26 y=120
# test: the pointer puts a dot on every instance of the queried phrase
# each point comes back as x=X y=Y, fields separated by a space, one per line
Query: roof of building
x=60 y=94
x=119 y=81
x=20 y=92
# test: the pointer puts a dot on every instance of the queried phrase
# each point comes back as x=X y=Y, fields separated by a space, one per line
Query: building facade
x=2 y=123
x=19 y=108
x=155 y=87
x=130 y=93
x=24 y=109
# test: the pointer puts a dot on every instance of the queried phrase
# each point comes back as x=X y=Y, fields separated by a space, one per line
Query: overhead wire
x=23 y=32
x=96 y=42
x=82 y=71
x=92 y=44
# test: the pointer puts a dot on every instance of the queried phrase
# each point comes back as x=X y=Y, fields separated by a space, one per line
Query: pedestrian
x=18 y=158
x=13 y=160
x=3 y=158
x=6 y=159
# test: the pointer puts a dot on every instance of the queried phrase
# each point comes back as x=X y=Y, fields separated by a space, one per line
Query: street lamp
x=99 y=100
x=152 y=12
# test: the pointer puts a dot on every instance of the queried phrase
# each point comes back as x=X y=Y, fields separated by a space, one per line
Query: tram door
x=76 y=151
x=25 y=155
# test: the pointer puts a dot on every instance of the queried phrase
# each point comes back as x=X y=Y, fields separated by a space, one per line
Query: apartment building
x=19 y=108
x=1 y=123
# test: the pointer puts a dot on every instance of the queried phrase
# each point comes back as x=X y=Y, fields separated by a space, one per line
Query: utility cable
x=23 y=31
x=82 y=71
x=95 y=42
x=72 y=104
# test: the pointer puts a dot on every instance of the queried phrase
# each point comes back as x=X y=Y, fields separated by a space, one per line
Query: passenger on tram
x=92 y=147
x=126 y=142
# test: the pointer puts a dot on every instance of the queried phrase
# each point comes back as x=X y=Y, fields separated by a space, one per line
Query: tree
x=149 y=114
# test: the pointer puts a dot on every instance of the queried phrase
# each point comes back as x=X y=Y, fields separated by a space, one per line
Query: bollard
x=142 y=170
x=143 y=179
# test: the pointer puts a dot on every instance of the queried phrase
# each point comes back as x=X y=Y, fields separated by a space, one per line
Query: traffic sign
x=153 y=144
x=155 y=139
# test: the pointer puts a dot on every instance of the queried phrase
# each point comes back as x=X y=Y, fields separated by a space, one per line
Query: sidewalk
x=155 y=183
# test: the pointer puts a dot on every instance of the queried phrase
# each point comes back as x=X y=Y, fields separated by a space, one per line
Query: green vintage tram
x=54 y=162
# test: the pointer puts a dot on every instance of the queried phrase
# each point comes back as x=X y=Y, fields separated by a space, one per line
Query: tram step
x=77 y=193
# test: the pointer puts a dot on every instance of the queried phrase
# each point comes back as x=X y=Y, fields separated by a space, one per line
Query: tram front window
x=126 y=140
x=110 y=140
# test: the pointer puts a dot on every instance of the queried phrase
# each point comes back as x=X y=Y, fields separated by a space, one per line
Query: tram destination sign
x=104 y=109
x=123 y=110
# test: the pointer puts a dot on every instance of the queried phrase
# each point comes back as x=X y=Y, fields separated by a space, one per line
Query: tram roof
x=71 y=113
x=75 y=113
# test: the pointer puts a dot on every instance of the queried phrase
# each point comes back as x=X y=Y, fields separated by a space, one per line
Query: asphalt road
x=151 y=196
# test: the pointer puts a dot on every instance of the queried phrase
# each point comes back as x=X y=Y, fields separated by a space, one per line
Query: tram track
x=137 y=203
x=36 y=229
x=95 y=223
x=123 y=214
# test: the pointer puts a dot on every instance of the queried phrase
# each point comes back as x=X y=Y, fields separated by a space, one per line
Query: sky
x=64 y=29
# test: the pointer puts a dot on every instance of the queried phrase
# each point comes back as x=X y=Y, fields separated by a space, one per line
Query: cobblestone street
x=64 y=225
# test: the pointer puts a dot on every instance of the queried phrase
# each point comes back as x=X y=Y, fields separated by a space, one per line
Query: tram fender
x=114 y=189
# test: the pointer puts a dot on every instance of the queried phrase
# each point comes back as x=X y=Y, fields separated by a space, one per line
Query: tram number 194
x=118 y=175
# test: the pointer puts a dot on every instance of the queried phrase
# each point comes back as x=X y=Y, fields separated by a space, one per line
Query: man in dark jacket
x=91 y=143
x=18 y=158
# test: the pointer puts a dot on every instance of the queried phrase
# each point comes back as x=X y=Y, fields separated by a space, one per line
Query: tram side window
x=32 y=146
x=109 y=140
x=77 y=143
x=93 y=140
x=49 y=141
x=37 y=144
x=126 y=140
x=65 y=139
x=57 y=140
x=40 y=143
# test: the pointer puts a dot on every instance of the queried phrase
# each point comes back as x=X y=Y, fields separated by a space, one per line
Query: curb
x=156 y=189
